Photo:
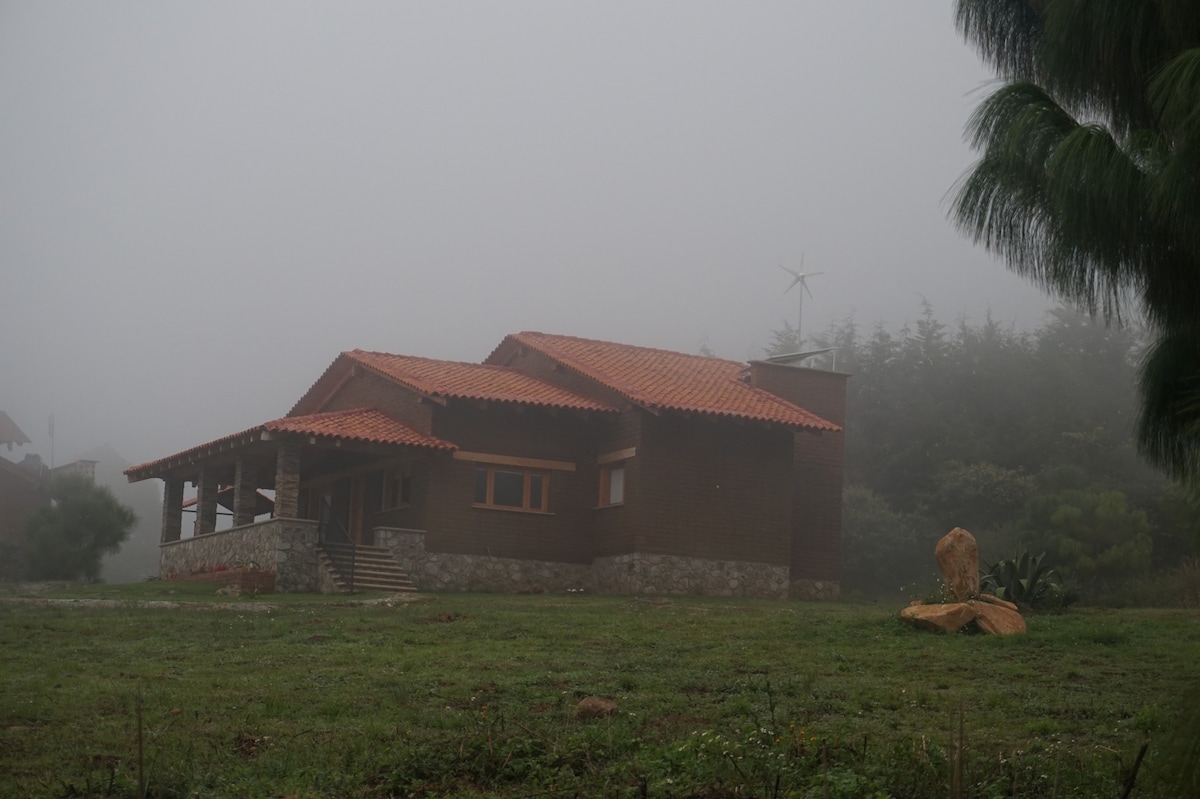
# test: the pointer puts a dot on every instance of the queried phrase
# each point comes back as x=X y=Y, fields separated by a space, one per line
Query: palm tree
x=1089 y=178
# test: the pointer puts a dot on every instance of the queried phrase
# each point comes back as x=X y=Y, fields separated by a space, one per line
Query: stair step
x=375 y=568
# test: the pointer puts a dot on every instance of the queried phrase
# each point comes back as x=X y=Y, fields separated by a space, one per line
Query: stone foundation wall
x=296 y=556
x=670 y=574
x=810 y=590
x=287 y=547
x=621 y=574
x=441 y=571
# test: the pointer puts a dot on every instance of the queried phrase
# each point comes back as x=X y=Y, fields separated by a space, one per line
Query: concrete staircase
x=374 y=568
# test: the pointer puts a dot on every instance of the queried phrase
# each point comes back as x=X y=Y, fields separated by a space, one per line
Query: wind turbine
x=801 y=279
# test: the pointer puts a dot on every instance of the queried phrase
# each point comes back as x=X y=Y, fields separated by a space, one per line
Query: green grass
x=472 y=695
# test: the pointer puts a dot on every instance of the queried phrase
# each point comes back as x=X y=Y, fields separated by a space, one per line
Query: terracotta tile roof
x=661 y=379
x=455 y=380
x=361 y=424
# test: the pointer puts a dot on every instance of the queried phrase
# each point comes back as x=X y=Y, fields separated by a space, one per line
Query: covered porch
x=335 y=477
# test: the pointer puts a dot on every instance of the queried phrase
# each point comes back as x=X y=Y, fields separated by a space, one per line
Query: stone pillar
x=206 y=501
x=287 y=482
x=245 y=493
x=172 y=513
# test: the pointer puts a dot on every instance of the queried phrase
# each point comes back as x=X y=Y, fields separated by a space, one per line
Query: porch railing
x=341 y=548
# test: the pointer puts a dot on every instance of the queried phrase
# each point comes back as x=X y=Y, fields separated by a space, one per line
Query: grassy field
x=473 y=695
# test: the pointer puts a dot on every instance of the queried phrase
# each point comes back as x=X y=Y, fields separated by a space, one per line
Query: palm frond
x=1169 y=425
x=1004 y=31
x=1174 y=94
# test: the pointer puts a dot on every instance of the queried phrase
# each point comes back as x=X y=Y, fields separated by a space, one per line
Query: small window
x=612 y=484
x=506 y=488
x=397 y=489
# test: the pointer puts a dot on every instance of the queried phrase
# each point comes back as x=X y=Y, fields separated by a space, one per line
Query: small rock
x=229 y=590
x=594 y=707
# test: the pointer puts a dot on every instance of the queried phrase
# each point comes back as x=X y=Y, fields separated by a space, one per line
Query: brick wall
x=454 y=525
x=540 y=366
x=819 y=464
x=816 y=390
x=716 y=490
x=368 y=390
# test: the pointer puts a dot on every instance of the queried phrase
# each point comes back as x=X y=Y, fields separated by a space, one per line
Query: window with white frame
x=611 y=468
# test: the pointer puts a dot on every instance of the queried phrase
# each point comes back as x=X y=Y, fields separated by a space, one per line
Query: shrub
x=1027 y=581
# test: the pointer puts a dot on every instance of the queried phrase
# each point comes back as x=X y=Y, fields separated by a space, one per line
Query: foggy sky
x=202 y=204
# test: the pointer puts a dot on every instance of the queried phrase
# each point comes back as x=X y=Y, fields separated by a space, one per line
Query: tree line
x=1022 y=437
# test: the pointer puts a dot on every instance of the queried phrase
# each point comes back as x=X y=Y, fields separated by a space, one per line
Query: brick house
x=559 y=463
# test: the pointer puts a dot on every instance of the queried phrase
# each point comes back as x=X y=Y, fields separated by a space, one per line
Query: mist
x=201 y=205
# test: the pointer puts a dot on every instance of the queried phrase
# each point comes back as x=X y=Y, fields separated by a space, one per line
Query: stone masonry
x=670 y=574
x=622 y=574
x=286 y=546
x=824 y=590
x=289 y=548
x=443 y=571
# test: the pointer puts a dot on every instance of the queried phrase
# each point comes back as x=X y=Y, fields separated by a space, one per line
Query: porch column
x=245 y=492
x=172 y=513
x=206 y=502
x=287 y=482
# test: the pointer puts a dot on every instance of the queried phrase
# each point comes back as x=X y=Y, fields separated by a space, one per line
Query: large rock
x=997 y=619
x=958 y=557
x=939 y=618
x=995 y=600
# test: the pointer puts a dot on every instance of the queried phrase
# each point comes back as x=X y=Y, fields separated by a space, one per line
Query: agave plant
x=1025 y=580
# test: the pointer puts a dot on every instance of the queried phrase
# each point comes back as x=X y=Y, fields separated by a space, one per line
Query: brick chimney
x=817 y=468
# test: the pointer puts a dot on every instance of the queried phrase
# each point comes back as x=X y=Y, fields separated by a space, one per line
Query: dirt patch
x=171 y=604
x=443 y=618
x=136 y=603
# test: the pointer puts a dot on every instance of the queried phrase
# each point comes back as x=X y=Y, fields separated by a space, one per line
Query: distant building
x=9 y=432
x=25 y=485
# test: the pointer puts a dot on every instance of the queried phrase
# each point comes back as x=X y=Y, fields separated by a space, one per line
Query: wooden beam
x=351 y=373
x=376 y=466
x=619 y=455
x=510 y=460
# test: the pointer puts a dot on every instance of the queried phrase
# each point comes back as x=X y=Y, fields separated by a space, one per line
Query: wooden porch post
x=287 y=482
x=172 y=512
x=206 y=502
x=245 y=493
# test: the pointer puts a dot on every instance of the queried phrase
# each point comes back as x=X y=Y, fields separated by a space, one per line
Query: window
x=397 y=489
x=509 y=488
x=612 y=476
x=612 y=484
